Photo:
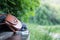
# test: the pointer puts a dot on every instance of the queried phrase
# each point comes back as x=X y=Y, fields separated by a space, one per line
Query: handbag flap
x=13 y=21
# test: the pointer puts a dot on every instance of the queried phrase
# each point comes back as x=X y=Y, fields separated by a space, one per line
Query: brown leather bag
x=13 y=22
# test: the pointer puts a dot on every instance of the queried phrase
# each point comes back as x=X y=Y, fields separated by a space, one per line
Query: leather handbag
x=13 y=22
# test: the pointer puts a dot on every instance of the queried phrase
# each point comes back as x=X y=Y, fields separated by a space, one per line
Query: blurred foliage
x=45 y=15
x=38 y=32
x=22 y=9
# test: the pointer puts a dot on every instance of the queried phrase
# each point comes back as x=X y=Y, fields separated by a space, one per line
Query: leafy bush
x=20 y=8
x=45 y=15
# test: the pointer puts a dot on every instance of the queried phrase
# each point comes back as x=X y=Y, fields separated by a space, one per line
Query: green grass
x=36 y=33
x=55 y=28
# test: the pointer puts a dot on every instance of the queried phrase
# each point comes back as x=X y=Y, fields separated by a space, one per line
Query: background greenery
x=22 y=9
x=45 y=15
x=31 y=11
x=40 y=18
